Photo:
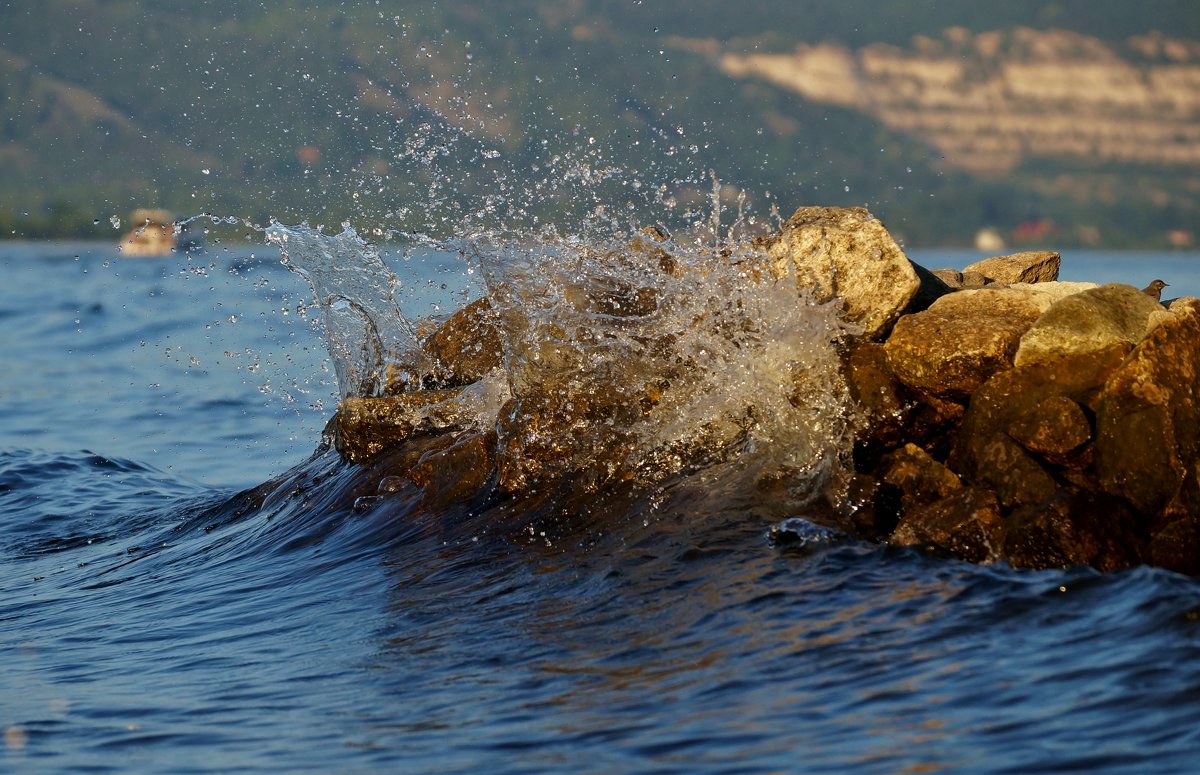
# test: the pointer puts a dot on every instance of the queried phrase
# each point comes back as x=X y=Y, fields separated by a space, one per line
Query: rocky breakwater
x=998 y=414
x=1035 y=422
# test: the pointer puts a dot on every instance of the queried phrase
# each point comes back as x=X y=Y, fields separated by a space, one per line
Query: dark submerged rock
x=1074 y=528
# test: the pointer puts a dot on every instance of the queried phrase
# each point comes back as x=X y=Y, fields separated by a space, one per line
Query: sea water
x=161 y=612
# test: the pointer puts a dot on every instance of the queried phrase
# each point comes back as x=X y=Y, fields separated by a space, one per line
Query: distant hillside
x=990 y=101
x=410 y=116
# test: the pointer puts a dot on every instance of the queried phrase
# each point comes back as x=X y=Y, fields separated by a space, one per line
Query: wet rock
x=1088 y=321
x=603 y=296
x=577 y=431
x=1148 y=417
x=1177 y=546
x=963 y=338
x=367 y=427
x=919 y=478
x=458 y=472
x=649 y=243
x=966 y=523
x=891 y=413
x=467 y=346
x=846 y=253
x=1074 y=528
x=872 y=507
x=878 y=395
x=1029 y=267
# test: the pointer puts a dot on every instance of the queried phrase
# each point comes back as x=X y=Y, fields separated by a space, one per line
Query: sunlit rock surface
x=847 y=254
x=951 y=348
x=1089 y=321
x=1030 y=267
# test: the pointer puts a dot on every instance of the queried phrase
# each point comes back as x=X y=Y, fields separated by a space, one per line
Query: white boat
x=154 y=233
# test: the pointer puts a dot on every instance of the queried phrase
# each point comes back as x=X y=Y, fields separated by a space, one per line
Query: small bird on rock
x=1154 y=289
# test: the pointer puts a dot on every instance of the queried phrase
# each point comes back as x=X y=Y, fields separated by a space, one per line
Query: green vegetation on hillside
x=409 y=115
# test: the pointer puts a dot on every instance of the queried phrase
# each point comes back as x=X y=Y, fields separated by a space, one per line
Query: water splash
x=365 y=331
x=638 y=362
x=631 y=358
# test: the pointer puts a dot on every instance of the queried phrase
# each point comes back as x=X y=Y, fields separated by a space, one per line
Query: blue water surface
x=157 y=615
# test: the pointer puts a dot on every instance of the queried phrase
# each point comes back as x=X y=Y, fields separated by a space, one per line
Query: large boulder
x=1148 y=417
x=846 y=253
x=963 y=338
x=1089 y=321
x=1031 y=267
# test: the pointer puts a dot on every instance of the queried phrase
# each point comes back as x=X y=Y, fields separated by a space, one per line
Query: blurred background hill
x=1060 y=123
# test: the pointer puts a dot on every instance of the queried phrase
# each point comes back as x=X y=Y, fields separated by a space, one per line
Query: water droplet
x=115 y=221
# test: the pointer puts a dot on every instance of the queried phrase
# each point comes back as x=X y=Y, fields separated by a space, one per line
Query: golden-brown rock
x=1038 y=266
x=966 y=522
x=1148 y=417
x=366 y=427
x=1088 y=321
x=846 y=253
x=962 y=339
x=467 y=346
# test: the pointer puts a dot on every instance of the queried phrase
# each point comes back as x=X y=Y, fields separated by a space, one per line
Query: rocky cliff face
x=988 y=101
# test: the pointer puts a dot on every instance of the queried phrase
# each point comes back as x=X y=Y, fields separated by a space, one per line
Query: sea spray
x=365 y=331
x=627 y=364
x=641 y=360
